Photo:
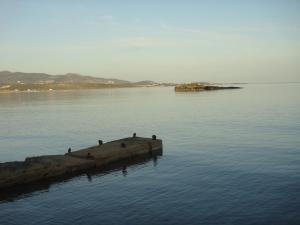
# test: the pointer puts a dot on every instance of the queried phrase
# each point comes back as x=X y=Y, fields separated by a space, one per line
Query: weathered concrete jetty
x=51 y=166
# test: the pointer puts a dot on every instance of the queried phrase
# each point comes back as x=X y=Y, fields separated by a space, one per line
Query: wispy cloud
x=105 y=18
x=207 y=34
x=140 y=42
x=101 y=20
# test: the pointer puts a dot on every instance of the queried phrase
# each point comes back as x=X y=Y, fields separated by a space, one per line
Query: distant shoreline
x=24 y=88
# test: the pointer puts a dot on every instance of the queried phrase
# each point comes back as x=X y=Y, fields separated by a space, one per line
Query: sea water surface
x=229 y=157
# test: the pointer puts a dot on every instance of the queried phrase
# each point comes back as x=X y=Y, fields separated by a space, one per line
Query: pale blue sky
x=162 y=40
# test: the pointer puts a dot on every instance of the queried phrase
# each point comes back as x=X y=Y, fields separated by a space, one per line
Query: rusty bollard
x=123 y=145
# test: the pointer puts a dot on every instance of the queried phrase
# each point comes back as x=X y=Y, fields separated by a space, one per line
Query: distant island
x=19 y=81
x=194 y=87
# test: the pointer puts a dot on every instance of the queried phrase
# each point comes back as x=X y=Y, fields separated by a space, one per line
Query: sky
x=160 y=40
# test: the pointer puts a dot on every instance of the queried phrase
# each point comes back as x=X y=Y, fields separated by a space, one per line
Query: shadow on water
x=27 y=190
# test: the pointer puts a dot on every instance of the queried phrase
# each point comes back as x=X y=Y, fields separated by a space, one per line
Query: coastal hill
x=19 y=81
x=7 y=77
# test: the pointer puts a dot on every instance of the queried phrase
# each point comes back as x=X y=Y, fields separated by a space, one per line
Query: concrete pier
x=50 y=166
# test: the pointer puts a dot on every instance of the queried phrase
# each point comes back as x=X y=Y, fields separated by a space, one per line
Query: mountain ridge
x=8 y=77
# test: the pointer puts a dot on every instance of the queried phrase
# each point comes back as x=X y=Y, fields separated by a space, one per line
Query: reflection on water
x=28 y=190
x=230 y=157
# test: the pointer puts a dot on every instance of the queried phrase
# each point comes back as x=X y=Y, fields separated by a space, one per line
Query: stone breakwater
x=51 y=166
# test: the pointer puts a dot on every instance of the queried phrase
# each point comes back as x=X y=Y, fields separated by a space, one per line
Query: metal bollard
x=123 y=145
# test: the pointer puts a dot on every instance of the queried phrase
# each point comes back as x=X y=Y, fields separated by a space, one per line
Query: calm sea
x=229 y=157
